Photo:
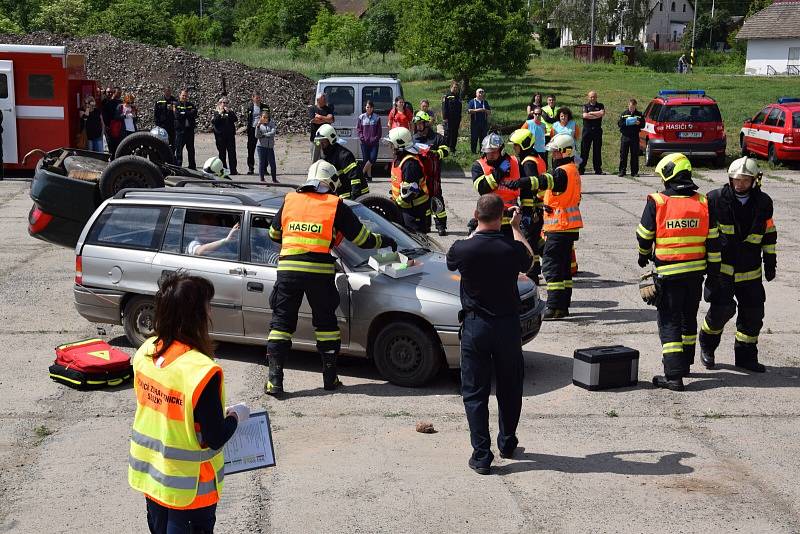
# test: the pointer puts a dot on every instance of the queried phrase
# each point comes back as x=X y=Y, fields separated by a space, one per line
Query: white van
x=347 y=94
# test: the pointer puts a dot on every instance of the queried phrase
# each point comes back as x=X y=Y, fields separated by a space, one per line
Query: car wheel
x=743 y=146
x=384 y=206
x=129 y=171
x=138 y=319
x=720 y=160
x=145 y=145
x=649 y=157
x=405 y=354
x=771 y=156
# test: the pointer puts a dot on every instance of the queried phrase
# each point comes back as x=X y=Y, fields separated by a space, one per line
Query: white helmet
x=400 y=138
x=161 y=133
x=214 y=166
x=744 y=167
x=493 y=141
x=561 y=143
x=326 y=131
x=322 y=177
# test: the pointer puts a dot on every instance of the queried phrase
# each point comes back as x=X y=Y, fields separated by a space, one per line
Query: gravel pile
x=144 y=70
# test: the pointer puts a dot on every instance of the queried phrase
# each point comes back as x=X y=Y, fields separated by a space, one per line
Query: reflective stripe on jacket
x=508 y=195
x=307 y=223
x=397 y=184
x=682 y=227
x=566 y=213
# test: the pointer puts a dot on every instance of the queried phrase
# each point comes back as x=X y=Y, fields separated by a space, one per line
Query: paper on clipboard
x=250 y=447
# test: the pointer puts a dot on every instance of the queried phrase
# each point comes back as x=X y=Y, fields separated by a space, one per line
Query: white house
x=773 y=39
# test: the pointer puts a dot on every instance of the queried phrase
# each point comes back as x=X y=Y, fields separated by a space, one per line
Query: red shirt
x=398 y=119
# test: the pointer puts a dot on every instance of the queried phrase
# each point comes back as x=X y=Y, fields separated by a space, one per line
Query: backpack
x=90 y=364
x=431 y=168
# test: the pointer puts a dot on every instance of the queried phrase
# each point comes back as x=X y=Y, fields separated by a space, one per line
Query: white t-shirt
x=256 y=115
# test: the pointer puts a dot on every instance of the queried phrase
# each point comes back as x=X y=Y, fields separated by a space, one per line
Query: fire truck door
x=9 y=109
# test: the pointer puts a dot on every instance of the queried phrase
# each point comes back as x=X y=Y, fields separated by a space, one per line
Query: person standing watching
x=253 y=119
x=128 y=114
x=549 y=116
x=489 y=264
x=224 y=124
x=176 y=456
x=112 y=122
x=164 y=115
x=319 y=114
x=479 y=111
x=538 y=129
x=92 y=122
x=185 y=123
x=536 y=102
x=369 y=134
x=400 y=116
x=451 y=115
x=630 y=124
x=592 y=136
x=425 y=105
x=265 y=132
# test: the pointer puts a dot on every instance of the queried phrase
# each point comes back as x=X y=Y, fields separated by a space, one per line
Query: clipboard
x=251 y=446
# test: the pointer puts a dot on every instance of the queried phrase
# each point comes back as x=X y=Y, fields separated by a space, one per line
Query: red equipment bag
x=432 y=168
x=91 y=363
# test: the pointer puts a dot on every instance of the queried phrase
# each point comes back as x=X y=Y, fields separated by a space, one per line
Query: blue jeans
x=369 y=153
x=163 y=520
x=95 y=145
x=267 y=156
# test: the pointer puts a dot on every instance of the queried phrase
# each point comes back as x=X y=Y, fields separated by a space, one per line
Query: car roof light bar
x=788 y=100
x=668 y=92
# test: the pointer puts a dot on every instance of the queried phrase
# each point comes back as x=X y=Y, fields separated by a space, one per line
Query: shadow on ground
x=775 y=377
x=603 y=462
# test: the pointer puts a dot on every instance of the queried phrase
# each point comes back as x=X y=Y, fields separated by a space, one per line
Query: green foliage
x=190 y=30
x=323 y=34
x=20 y=12
x=550 y=38
x=222 y=11
x=8 y=26
x=709 y=30
x=611 y=16
x=66 y=17
x=758 y=5
x=276 y=22
x=125 y=19
x=381 y=26
x=659 y=61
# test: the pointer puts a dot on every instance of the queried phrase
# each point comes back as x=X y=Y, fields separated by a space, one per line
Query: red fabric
x=91 y=356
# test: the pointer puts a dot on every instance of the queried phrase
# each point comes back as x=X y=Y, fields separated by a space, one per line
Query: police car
x=685 y=121
x=774 y=133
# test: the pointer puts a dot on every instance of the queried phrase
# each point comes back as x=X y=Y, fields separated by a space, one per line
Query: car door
x=9 y=108
x=382 y=96
x=754 y=138
x=772 y=132
x=261 y=269
x=342 y=97
x=205 y=243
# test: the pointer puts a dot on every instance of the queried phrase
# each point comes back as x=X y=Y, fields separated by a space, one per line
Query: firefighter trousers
x=285 y=300
x=417 y=218
x=750 y=298
x=628 y=146
x=439 y=212
x=556 y=260
x=533 y=234
x=677 y=322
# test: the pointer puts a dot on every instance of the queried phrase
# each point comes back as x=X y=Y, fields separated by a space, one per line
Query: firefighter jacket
x=562 y=209
x=531 y=166
x=679 y=234
x=487 y=178
x=309 y=224
x=747 y=233
x=185 y=116
x=452 y=107
x=168 y=460
x=351 y=180
x=162 y=113
x=407 y=169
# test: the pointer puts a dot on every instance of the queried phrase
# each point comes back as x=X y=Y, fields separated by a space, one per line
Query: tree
x=124 y=19
x=465 y=39
x=322 y=34
x=581 y=26
x=190 y=29
x=757 y=5
x=66 y=17
x=276 y=22
x=351 y=36
x=20 y=13
x=381 y=26
x=9 y=26
x=709 y=30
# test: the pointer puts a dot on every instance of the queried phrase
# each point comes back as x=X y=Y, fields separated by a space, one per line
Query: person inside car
x=205 y=244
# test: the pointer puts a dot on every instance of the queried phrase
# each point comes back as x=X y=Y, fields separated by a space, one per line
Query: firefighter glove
x=240 y=411
x=387 y=241
x=643 y=260
x=769 y=273
x=505 y=166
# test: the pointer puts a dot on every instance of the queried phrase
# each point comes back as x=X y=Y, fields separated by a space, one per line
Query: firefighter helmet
x=214 y=166
x=422 y=116
x=326 y=131
x=561 y=143
x=160 y=133
x=400 y=138
x=492 y=141
x=522 y=137
x=672 y=165
x=745 y=167
x=321 y=175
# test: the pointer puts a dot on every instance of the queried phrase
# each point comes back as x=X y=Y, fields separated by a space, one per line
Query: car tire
x=138 y=319
x=772 y=157
x=129 y=171
x=382 y=205
x=720 y=160
x=649 y=157
x=405 y=354
x=146 y=145
x=743 y=146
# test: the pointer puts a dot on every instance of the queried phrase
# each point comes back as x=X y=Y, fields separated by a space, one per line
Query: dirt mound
x=144 y=70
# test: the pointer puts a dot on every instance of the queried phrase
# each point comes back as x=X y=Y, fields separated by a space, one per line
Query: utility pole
x=201 y=8
x=591 y=36
x=711 y=26
x=694 y=27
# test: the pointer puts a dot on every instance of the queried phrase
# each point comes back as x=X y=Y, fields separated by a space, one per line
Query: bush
x=66 y=17
x=278 y=22
x=9 y=26
x=190 y=30
x=125 y=20
x=660 y=61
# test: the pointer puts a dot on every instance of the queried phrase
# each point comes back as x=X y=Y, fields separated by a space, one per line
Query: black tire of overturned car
x=382 y=205
x=146 y=145
x=127 y=172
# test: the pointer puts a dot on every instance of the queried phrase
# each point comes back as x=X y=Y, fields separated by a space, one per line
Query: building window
x=684 y=8
x=673 y=6
x=40 y=86
x=661 y=6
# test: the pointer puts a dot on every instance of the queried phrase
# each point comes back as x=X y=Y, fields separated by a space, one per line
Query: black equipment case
x=599 y=368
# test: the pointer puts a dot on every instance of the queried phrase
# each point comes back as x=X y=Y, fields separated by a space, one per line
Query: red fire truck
x=41 y=90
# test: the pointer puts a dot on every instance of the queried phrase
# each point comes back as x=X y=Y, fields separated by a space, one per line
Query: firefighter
x=437 y=150
x=679 y=234
x=351 y=180
x=747 y=238
x=409 y=182
x=307 y=226
x=185 y=123
x=451 y=115
x=164 y=115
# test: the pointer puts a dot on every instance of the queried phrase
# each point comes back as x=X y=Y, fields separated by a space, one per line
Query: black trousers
x=226 y=149
x=476 y=134
x=750 y=298
x=163 y=520
x=417 y=218
x=112 y=142
x=439 y=211
x=184 y=138
x=491 y=344
x=451 y=133
x=677 y=322
x=533 y=234
x=285 y=301
x=251 y=149
x=556 y=268
x=628 y=146
x=592 y=138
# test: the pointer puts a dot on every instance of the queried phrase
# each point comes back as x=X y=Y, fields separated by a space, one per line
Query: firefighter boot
x=274 y=385
x=707 y=357
x=330 y=380
x=441 y=228
x=674 y=384
x=553 y=314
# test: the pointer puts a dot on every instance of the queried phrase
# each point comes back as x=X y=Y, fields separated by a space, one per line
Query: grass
x=41 y=432
x=713 y=415
x=612 y=413
x=401 y=413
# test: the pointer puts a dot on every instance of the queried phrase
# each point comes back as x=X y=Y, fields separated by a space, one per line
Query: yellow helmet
x=671 y=165
x=422 y=116
x=522 y=137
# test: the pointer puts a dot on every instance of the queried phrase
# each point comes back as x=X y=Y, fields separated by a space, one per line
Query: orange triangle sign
x=103 y=354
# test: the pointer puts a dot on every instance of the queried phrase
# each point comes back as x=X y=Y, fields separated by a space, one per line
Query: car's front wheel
x=406 y=354
x=743 y=146
x=138 y=319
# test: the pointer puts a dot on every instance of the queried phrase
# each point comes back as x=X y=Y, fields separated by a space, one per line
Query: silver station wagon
x=408 y=326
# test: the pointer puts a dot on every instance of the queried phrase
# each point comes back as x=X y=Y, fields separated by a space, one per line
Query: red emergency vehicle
x=41 y=90
x=774 y=132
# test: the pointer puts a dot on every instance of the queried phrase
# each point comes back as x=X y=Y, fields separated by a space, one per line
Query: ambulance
x=41 y=90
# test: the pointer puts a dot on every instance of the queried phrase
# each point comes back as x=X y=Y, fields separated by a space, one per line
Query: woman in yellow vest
x=180 y=425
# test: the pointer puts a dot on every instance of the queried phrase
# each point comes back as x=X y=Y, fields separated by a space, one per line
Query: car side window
x=381 y=96
x=263 y=250
x=758 y=119
x=772 y=118
x=781 y=119
x=211 y=234
x=656 y=111
x=174 y=233
x=342 y=98
x=126 y=226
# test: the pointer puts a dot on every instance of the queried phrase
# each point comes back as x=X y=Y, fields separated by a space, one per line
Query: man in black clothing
x=489 y=264
x=109 y=113
x=352 y=182
x=164 y=115
x=224 y=124
x=252 y=117
x=319 y=114
x=748 y=237
x=185 y=123
x=630 y=124
x=409 y=183
x=592 y=135
x=451 y=115
x=437 y=150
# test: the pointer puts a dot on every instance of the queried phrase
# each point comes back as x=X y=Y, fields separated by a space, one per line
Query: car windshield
x=691 y=113
x=357 y=257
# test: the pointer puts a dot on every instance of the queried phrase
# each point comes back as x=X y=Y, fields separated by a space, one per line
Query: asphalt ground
x=721 y=456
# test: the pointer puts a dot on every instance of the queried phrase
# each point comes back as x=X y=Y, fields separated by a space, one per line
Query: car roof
x=685 y=100
x=269 y=198
x=359 y=79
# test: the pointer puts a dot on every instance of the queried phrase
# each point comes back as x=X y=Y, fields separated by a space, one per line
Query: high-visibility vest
x=551 y=112
x=508 y=195
x=540 y=165
x=307 y=223
x=681 y=233
x=168 y=459
x=397 y=183
x=566 y=214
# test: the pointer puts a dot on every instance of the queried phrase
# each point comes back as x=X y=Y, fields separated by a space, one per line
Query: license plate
x=344 y=132
x=690 y=135
x=527 y=326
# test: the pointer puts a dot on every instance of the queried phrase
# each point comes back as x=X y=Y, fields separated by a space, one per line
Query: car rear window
x=690 y=113
x=342 y=98
x=137 y=227
x=381 y=96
